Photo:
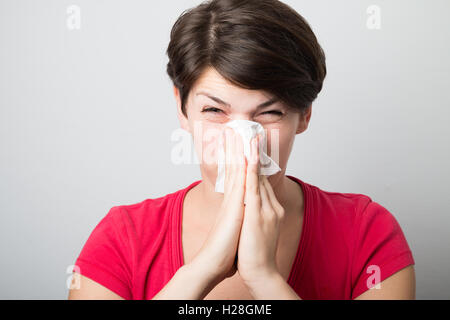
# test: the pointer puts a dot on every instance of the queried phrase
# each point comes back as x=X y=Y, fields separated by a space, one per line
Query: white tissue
x=247 y=129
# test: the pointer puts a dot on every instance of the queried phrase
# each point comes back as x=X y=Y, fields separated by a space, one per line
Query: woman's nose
x=242 y=117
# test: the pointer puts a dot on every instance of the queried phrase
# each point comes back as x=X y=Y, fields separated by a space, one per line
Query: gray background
x=86 y=118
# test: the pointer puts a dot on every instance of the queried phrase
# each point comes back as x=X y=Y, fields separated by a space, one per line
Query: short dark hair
x=254 y=44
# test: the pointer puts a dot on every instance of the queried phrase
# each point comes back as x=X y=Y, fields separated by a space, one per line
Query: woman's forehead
x=211 y=85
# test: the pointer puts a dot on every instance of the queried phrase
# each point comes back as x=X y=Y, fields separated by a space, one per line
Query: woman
x=255 y=60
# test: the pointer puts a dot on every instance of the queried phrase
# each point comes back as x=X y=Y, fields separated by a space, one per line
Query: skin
x=272 y=204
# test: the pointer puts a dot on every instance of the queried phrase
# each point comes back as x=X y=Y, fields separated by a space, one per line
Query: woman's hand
x=217 y=257
x=261 y=226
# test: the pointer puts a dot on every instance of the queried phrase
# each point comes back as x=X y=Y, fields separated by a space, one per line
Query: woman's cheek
x=209 y=144
x=273 y=142
x=210 y=150
x=278 y=145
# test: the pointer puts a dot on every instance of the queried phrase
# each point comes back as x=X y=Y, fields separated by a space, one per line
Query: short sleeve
x=381 y=248
x=105 y=256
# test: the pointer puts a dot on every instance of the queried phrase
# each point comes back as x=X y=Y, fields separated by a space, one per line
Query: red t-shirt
x=347 y=241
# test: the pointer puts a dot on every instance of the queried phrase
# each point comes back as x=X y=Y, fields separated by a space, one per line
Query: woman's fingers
x=227 y=151
x=238 y=162
x=229 y=159
x=252 y=182
x=234 y=165
x=239 y=154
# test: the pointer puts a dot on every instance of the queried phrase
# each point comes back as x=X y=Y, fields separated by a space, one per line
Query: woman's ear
x=184 y=123
x=305 y=117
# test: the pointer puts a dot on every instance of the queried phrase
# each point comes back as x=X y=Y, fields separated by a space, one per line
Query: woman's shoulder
x=356 y=233
x=151 y=213
x=342 y=200
x=324 y=200
x=350 y=209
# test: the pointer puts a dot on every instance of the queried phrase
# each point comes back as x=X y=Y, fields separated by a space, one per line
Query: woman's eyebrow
x=220 y=101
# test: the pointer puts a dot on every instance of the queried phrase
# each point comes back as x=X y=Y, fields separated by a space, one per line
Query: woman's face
x=207 y=116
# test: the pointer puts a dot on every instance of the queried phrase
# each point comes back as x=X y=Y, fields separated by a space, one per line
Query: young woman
x=254 y=60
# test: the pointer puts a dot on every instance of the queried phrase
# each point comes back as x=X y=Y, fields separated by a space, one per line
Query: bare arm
x=271 y=287
x=91 y=290
x=188 y=283
x=400 y=286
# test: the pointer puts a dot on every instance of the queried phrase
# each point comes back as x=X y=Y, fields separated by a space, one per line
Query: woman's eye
x=278 y=113
x=216 y=110
x=213 y=110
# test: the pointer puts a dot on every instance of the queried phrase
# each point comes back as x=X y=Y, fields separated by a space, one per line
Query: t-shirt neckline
x=176 y=224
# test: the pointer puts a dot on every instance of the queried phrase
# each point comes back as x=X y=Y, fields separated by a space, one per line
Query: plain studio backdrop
x=87 y=114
